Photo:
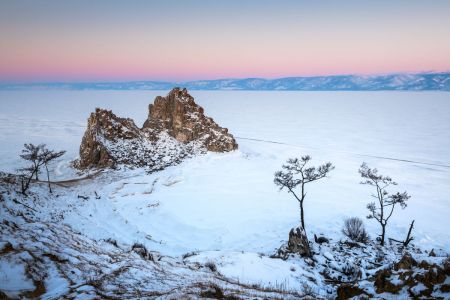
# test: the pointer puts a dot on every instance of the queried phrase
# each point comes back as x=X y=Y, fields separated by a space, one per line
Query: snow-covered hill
x=414 y=82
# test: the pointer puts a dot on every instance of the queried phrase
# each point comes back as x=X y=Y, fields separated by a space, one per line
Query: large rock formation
x=176 y=128
x=185 y=121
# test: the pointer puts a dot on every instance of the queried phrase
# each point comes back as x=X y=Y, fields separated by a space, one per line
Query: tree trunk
x=23 y=187
x=27 y=184
x=48 y=179
x=383 y=232
x=37 y=171
x=408 y=237
x=302 y=215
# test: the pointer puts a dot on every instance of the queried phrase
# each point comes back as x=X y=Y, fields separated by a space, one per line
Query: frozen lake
x=404 y=134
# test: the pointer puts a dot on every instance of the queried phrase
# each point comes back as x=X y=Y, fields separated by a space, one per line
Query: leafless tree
x=296 y=173
x=47 y=156
x=26 y=174
x=32 y=153
x=382 y=211
x=38 y=156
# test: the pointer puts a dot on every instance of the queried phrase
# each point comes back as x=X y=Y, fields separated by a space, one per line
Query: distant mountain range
x=414 y=82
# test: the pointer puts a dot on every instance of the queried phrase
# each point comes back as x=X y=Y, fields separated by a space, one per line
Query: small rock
x=320 y=239
x=383 y=283
x=347 y=291
x=298 y=242
x=406 y=262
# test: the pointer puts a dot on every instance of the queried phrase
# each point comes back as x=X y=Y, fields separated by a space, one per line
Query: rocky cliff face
x=176 y=128
x=185 y=121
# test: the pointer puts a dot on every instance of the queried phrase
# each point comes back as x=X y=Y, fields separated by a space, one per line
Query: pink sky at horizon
x=168 y=41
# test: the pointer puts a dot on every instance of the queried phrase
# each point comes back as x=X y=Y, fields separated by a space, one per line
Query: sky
x=185 y=40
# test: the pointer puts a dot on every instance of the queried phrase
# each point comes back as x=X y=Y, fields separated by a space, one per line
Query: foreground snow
x=61 y=245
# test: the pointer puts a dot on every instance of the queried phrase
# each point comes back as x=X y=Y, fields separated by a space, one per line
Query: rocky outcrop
x=185 y=121
x=419 y=279
x=176 y=128
x=104 y=130
x=298 y=242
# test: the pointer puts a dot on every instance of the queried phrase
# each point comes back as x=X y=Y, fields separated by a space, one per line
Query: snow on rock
x=175 y=129
x=185 y=121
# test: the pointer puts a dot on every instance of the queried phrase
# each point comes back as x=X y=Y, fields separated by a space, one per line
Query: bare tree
x=46 y=157
x=26 y=174
x=38 y=156
x=382 y=211
x=32 y=153
x=296 y=173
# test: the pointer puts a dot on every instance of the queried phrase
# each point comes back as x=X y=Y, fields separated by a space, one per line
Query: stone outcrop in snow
x=298 y=242
x=176 y=128
x=184 y=120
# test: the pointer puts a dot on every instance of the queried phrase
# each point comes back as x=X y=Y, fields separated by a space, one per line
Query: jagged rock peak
x=185 y=121
x=176 y=129
x=104 y=128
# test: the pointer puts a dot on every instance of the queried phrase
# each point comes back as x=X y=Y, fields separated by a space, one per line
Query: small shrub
x=213 y=291
x=112 y=242
x=350 y=269
x=211 y=265
x=354 y=230
x=142 y=251
x=307 y=290
x=189 y=254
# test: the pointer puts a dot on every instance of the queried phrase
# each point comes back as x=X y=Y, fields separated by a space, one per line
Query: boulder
x=298 y=242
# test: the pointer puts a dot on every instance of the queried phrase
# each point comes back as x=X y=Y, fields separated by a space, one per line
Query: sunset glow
x=188 y=40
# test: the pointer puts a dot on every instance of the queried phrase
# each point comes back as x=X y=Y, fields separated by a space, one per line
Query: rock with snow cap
x=185 y=121
x=176 y=129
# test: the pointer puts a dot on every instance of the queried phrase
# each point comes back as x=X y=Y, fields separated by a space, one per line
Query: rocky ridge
x=176 y=128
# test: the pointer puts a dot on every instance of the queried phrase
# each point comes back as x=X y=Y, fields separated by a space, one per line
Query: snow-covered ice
x=227 y=201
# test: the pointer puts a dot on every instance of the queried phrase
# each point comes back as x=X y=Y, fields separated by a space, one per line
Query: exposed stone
x=321 y=239
x=446 y=266
x=104 y=128
x=298 y=242
x=406 y=262
x=185 y=121
x=445 y=288
x=176 y=129
x=411 y=275
x=347 y=291
x=383 y=283
x=433 y=275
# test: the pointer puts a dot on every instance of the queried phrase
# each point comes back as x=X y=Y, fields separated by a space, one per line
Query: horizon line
x=220 y=78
